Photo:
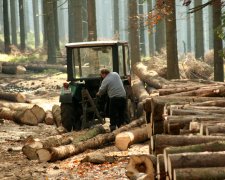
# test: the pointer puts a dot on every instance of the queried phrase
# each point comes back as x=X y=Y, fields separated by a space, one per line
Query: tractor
x=80 y=107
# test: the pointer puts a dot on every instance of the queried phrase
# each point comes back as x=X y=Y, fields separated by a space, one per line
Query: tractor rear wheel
x=70 y=116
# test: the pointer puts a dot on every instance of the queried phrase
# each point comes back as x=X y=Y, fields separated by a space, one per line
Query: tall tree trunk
x=55 y=13
x=44 y=10
x=160 y=35
x=22 y=26
x=133 y=32
x=210 y=19
x=61 y=15
x=151 y=32
x=92 y=29
x=142 y=27
x=171 y=42
x=85 y=20
x=6 y=27
x=50 y=31
x=218 y=43
x=75 y=19
x=26 y=17
x=1 y=17
x=13 y=22
x=198 y=29
x=188 y=32
x=116 y=18
x=36 y=23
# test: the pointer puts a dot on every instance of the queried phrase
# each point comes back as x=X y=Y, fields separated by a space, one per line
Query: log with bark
x=159 y=142
x=215 y=129
x=215 y=146
x=141 y=164
x=49 y=120
x=202 y=173
x=62 y=152
x=195 y=160
x=150 y=77
x=14 y=97
x=161 y=172
x=125 y=139
x=56 y=111
x=13 y=69
x=31 y=149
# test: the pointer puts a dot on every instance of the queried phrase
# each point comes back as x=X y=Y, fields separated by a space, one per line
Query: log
x=215 y=146
x=159 y=142
x=199 y=173
x=161 y=173
x=26 y=117
x=195 y=160
x=125 y=139
x=205 y=124
x=139 y=90
x=39 y=113
x=63 y=152
x=215 y=129
x=6 y=113
x=168 y=91
x=141 y=164
x=56 y=111
x=30 y=148
x=150 y=77
x=16 y=106
x=218 y=103
x=14 y=97
x=49 y=120
x=17 y=69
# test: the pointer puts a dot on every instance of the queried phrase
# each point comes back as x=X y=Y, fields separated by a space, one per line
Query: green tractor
x=80 y=108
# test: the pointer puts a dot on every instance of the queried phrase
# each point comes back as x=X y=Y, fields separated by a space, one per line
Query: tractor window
x=121 y=64
x=89 y=60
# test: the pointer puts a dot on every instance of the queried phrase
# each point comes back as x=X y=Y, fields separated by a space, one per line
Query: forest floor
x=44 y=90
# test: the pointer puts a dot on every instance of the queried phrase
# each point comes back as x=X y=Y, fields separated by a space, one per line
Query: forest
x=50 y=124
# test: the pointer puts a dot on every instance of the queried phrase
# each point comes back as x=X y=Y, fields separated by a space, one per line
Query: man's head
x=104 y=72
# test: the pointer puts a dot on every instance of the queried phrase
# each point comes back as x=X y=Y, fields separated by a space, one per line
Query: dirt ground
x=44 y=90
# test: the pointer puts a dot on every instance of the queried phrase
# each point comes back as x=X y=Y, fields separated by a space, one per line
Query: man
x=113 y=86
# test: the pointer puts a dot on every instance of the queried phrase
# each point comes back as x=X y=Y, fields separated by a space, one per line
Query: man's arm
x=102 y=90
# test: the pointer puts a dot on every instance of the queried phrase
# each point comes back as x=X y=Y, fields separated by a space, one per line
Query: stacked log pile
x=187 y=125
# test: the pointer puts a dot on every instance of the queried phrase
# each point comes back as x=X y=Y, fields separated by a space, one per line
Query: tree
x=36 y=23
x=142 y=28
x=160 y=35
x=150 y=31
x=116 y=18
x=75 y=21
x=55 y=13
x=22 y=26
x=171 y=42
x=218 y=44
x=210 y=19
x=13 y=21
x=188 y=32
x=92 y=29
x=50 y=30
x=133 y=32
x=198 y=29
x=6 y=27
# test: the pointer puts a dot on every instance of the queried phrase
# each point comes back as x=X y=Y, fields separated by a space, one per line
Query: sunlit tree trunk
x=151 y=32
x=75 y=19
x=198 y=29
x=36 y=23
x=45 y=11
x=171 y=42
x=116 y=19
x=218 y=44
x=13 y=21
x=210 y=20
x=6 y=27
x=50 y=25
x=160 y=35
x=61 y=15
x=22 y=26
x=1 y=17
x=55 y=13
x=188 y=31
x=133 y=32
x=26 y=17
x=85 y=20
x=142 y=28
x=92 y=29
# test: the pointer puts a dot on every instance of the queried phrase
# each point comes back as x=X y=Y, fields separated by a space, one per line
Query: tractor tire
x=70 y=117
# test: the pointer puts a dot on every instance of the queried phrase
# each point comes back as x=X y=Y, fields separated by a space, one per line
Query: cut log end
x=43 y=155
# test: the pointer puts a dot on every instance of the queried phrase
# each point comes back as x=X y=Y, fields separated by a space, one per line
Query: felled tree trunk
x=13 y=69
x=125 y=139
x=31 y=149
x=199 y=173
x=141 y=164
x=56 y=111
x=164 y=92
x=161 y=172
x=159 y=142
x=6 y=113
x=49 y=120
x=26 y=117
x=14 y=97
x=215 y=146
x=194 y=160
x=39 y=113
x=215 y=129
x=150 y=77
x=62 y=152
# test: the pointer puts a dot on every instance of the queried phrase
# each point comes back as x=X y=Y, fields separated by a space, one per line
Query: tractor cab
x=80 y=108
